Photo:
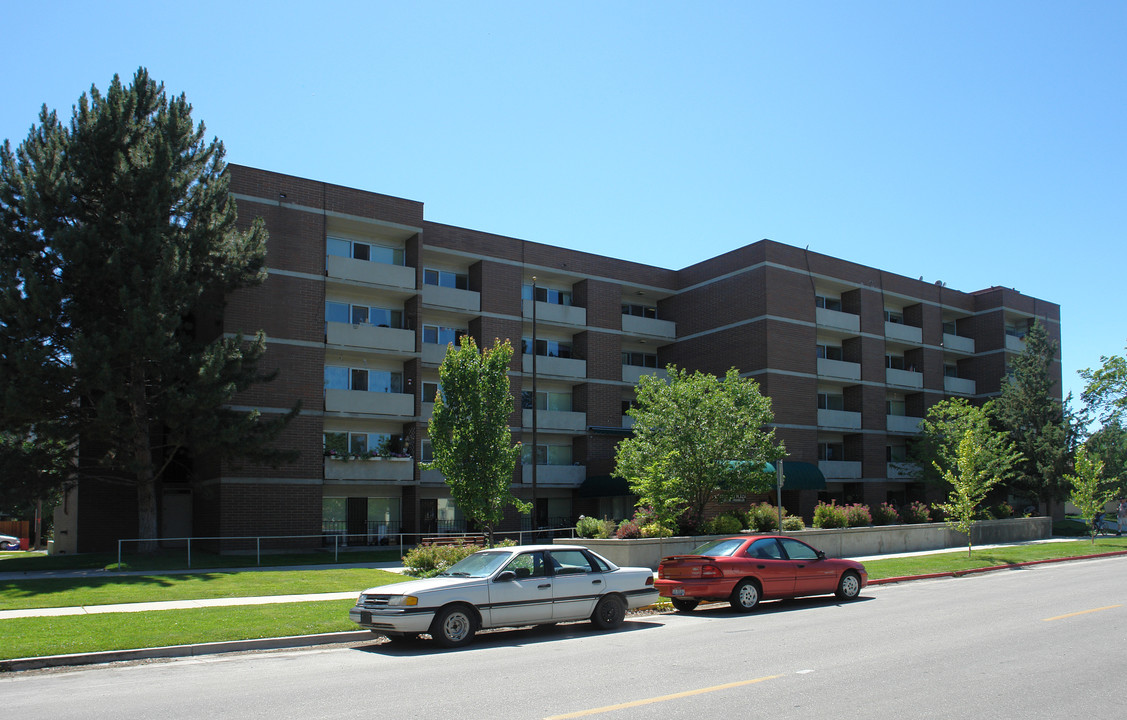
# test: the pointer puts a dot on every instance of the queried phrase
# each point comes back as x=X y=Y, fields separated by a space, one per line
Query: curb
x=992 y=568
x=174 y=651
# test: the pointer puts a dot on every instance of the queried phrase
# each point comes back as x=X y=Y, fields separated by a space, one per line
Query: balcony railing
x=904 y=378
x=556 y=420
x=370 y=336
x=555 y=475
x=958 y=343
x=902 y=423
x=633 y=373
x=452 y=298
x=903 y=333
x=840 y=469
x=398 y=277
x=554 y=314
x=837 y=320
x=378 y=469
x=369 y=403
x=555 y=366
x=839 y=368
x=840 y=419
x=959 y=386
x=635 y=325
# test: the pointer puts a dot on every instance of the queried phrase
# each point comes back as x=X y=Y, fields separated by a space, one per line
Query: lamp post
x=534 y=413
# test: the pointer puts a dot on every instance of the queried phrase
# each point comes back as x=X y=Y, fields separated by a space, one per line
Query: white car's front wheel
x=454 y=626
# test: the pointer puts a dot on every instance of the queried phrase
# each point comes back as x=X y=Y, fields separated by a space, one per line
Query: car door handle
x=596 y=582
x=761 y=567
x=545 y=585
x=801 y=566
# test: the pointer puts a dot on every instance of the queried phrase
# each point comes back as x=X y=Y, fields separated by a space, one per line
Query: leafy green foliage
x=858 y=515
x=915 y=512
x=1109 y=446
x=1105 y=388
x=764 y=517
x=725 y=525
x=885 y=514
x=793 y=523
x=697 y=439
x=1090 y=493
x=593 y=527
x=428 y=560
x=1036 y=421
x=118 y=247
x=970 y=482
x=31 y=469
x=469 y=432
x=628 y=530
x=935 y=450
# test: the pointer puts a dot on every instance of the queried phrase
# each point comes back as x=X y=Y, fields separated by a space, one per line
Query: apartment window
x=355 y=443
x=1018 y=329
x=894 y=362
x=831 y=451
x=830 y=352
x=639 y=310
x=362 y=379
x=896 y=453
x=831 y=401
x=950 y=370
x=546 y=400
x=438 y=335
x=431 y=391
x=829 y=303
x=894 y=404
x=446 y=278
x=426 y=451
x=547 y=454
x=546 y=294
x=363 y=315
x=893 y=316
x=547 y=348
x=341 y=247
x=639 y=359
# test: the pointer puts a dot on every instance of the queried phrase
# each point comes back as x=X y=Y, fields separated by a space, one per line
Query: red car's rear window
x=719 y=548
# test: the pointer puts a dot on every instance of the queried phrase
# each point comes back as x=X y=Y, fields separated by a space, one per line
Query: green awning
x=800 y=475
x=603 y=486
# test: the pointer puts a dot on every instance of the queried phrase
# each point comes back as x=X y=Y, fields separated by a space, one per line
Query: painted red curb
x=960 y=573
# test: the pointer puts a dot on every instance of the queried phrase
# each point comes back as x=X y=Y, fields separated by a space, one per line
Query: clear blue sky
x=978 y=143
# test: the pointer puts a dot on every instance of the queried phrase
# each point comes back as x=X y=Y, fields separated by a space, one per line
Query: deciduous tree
x=469 y=432
x=970 y=479
x=1090 y=492
x=697 y=439
x=935 y=450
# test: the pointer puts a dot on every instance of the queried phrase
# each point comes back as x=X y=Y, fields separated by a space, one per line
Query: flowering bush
x=793 y=523
x=763 y=517
x=915 y=512
x=885 y=514
x=858 y=515
x=830 y=516
x=628 y=530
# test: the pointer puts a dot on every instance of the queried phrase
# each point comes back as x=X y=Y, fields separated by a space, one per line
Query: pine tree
x=1036 y=421
x=117 y=241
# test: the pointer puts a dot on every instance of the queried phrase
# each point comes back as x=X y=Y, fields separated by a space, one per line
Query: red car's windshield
x=720 y=548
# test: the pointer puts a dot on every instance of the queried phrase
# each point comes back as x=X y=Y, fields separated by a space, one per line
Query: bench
x=476 y=540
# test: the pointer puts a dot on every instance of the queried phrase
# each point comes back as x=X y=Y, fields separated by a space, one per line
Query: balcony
x=959 y=386
x=449 y=298
x=380 y=470
x=635 y=325
x=904 y=378
x=554 y=314
x=571 y=476
x=1015 y=344
x=556 y=421
x=838 y=369
x=903 y=333
x=901 y=471
x=837 y=320
x=369 y=403
x=397 y=277
x=958 y=343
x=371 y=337
x=433 y=353
x=902 y=423
x=839 y=419
x=569 y=368
x=633 y=373
x=840 y=469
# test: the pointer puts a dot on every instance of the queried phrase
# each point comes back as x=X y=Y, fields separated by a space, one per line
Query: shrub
x=885 y=514
x=428 y=561
x=829 y=516
x=763 y=517
x=591 y=527
x=724 y=525
x=858 y=515
x=915 y=512
x=938 y=514
x=656 y=529
x=1003 y=510
x=793 y=524
x=628 y=530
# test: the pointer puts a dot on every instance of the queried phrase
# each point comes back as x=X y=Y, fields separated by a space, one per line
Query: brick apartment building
x=364 y=294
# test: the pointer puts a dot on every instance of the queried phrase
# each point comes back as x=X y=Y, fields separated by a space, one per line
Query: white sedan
x=9 y=542
x=507 y=587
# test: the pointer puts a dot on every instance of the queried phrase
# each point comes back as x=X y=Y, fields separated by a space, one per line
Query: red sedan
x=744 y=570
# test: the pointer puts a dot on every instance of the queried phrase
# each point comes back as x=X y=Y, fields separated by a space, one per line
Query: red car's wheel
x=849 y=587
x=745 y=596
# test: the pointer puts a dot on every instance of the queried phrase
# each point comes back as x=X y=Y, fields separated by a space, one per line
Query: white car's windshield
x=480 y=564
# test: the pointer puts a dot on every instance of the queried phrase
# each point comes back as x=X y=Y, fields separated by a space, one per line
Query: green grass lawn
x=39 y=637
x=110 y=590
x=957 y=560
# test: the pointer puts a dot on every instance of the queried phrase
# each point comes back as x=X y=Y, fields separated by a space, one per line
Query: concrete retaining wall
x=849 y=542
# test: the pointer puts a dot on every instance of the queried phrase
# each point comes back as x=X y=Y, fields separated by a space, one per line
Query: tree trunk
x=143 y=462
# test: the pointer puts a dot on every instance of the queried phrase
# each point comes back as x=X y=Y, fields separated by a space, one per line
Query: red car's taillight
x=711 y=571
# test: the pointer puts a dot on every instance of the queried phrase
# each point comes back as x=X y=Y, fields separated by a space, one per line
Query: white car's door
x=525 y=600
x=576 y=585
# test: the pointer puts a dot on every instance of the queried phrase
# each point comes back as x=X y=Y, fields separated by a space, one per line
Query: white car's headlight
x=400 y=600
